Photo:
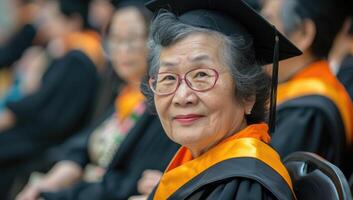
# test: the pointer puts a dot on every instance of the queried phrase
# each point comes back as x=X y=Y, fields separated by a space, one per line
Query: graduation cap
x=235 y=17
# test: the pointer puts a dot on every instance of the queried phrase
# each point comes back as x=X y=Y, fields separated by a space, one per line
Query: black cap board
x=235 y=17
x=227 y=16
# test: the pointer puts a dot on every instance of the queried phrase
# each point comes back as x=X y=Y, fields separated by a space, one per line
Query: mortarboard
x=234 y=17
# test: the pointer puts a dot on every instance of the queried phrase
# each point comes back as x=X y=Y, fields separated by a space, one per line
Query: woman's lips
x=187 y=119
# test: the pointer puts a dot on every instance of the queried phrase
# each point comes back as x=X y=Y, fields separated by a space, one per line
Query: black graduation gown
x=145 y=147
x=13 y=49
x=345 y=74
x=238 y=179
x=57 y=109
x=249 y=169
x=48 y=116
x=311 y=123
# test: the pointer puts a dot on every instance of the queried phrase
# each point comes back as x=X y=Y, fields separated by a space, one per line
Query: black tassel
x=274 y=83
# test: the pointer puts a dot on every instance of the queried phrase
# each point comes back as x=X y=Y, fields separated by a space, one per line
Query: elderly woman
x=211 y=96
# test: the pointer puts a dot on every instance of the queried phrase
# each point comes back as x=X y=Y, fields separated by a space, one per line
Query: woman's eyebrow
x=192 y=59
x=200 y=58
x=168 y=64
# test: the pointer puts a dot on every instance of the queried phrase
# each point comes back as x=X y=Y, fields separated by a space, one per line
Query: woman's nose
x=184 y=95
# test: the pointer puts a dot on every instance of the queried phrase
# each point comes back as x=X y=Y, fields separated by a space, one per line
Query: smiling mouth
x=187 y=119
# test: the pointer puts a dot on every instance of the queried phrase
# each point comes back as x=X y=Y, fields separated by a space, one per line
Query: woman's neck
x=197 y=151
x=133 y=85
x=294 y=66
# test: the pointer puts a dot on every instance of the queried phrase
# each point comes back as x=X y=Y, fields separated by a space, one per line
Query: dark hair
x=327 y=17
x=350 y=30
x=238 y=53
x=71 y=8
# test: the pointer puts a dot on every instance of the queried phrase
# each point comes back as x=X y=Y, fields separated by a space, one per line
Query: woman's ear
x=304 y=37
x=249 y=104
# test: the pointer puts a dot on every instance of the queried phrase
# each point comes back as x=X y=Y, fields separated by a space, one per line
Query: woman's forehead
x=128 y=20
x=193 y=49
x=174 y=61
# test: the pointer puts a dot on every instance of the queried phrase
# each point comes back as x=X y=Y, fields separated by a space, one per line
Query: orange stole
x=317 y=79
x=90 y=43
x=127 y=100
x=5 y=80
x=246 y=143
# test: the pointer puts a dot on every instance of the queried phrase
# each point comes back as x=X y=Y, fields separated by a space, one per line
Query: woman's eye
x=167 y=78
x=201 y=74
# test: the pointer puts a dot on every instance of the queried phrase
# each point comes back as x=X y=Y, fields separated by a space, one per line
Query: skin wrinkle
x=219 y=121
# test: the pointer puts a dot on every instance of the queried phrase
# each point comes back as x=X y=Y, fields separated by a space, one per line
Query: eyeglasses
x=200 y=80
x=131 y=44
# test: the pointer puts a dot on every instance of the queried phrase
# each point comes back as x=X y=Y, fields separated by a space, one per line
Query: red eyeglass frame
x=180 y=79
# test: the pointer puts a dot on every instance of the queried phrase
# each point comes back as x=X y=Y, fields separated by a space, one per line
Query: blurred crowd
x=75 y=125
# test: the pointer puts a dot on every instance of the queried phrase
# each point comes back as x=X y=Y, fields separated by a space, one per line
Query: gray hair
x=238 y=54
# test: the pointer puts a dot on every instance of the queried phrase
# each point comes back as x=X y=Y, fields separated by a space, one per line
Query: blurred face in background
x=53 y=22
x=127 y=44
x=100 y=13
x=272 y=10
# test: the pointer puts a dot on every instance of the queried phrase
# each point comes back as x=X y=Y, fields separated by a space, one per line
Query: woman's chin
x=187 y=136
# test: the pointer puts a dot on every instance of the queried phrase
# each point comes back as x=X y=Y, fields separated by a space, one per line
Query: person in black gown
x=315 y=112
x=210 y=91
x=61 y=104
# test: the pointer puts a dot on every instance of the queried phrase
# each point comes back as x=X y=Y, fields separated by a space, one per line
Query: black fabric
x=13 y=49
x=122 y=3
x=57 y=109
x=226 y=17
x=315 y=178
x=145 y=147
x=51 y=114
x=255 y=4
x=311 y=123
x=66 y=89
x=236 y=178
x=75 y=149
x=324 y=9
x=345 y=74
x=109 y=87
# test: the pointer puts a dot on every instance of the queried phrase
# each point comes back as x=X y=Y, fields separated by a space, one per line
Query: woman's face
x=127 y=42
x=199 y=120
x=53 y=22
